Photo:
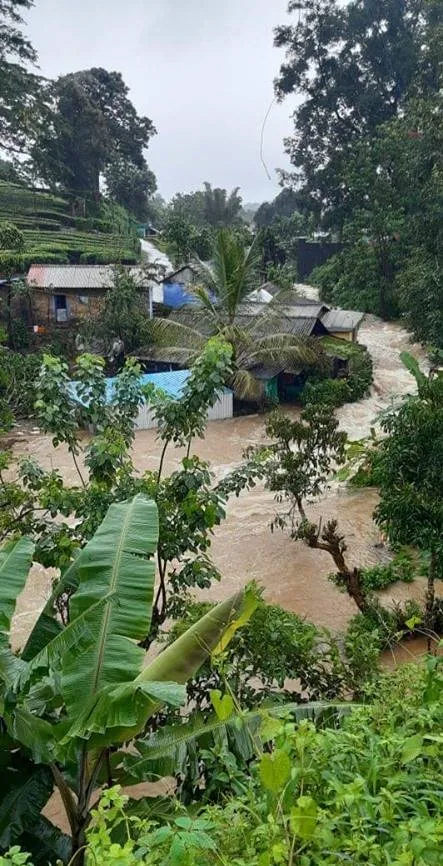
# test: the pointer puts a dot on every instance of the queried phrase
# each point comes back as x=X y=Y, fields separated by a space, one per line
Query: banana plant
x=77 y=691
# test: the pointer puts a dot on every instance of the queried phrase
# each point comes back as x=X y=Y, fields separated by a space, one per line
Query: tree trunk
x=355 y=590
x=9 y=316
x=333 y=544
x=430 y=597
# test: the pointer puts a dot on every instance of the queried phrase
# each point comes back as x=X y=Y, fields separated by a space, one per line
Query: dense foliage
x=361 y=786
x=367 y=157
x=18 y=374
x=92 y=125
x=409 y=474
x=81 y=683
x=352 y=66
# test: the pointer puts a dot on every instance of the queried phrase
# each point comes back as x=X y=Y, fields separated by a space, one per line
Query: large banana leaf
x=121 y=713
x=47 y=627
x=46 y=843
x=116 y=563
x=15 y=562
x=165 y=750
x=25 y=791
x=83 y=631
x=181 y=659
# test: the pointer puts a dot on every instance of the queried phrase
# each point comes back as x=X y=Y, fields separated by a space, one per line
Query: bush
x=335 y=392
x=360 y=374
x=275 y=646
x=330 y=392
x=404 y=567
x=89 y=224
x=11 y=238
x=107 y=256
x=360 y=788
x=18 y=374
x=383 y=627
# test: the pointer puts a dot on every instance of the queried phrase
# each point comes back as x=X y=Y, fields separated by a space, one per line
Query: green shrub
x=404 y=567
x=275 y=646
x=18 y=375
x=11 y=238
x=360 y=374
x=89 y=224
x=332 y=392
x=335 y=392
x=384 y=627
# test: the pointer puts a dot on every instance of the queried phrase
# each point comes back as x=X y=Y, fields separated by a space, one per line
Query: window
x=61 y=308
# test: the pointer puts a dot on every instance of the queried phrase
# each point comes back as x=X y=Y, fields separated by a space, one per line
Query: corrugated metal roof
x=303 y=311
x=342 y=320
x=302 y=326
x=277 y=324
x=271 y=288
x=78 y=277
x=171 y=382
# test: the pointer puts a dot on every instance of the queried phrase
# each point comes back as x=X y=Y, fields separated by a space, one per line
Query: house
x=65 y=293
x=170 y=383
x=342 y=323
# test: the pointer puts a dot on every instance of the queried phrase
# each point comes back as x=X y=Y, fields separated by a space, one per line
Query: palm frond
x=285 y=348
x=169 y=332
x=246 y=386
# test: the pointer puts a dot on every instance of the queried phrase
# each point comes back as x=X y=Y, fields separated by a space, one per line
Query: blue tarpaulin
x=175 y=295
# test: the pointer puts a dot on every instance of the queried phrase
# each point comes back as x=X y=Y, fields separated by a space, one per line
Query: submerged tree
x=297 y=466
x=222 y=308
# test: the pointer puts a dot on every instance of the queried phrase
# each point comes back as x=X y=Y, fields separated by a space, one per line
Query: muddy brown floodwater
x=243 y=548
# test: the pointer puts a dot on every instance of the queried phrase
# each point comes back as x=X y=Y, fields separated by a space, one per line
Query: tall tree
x=284 y=205
x=93 y=126
x=352 y=65
x=131 y=186
x=20 y=88
x=221 y=209
x=189 y=206
x=214 y=207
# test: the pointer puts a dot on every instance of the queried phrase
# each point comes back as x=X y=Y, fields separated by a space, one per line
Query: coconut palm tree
x=222 y=306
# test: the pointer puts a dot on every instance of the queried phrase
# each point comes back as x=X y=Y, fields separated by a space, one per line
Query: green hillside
x=54 y=233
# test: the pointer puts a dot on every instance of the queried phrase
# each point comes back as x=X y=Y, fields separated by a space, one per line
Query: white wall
x=222 y=408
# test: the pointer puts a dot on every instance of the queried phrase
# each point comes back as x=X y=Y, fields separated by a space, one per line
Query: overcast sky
x=202 y=70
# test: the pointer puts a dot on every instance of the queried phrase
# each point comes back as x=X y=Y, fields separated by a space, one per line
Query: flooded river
x=243 y=547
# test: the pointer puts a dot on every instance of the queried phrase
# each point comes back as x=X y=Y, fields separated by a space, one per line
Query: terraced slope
x=54 y=234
